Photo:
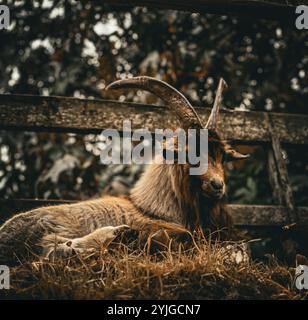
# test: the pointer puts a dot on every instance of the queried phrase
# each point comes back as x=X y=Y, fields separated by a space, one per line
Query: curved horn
x=213 y=118
x=172 y=97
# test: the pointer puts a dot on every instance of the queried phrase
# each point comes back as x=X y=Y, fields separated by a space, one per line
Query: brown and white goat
x=166 y=198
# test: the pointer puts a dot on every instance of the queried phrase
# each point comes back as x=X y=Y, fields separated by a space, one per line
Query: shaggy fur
x=165 y=197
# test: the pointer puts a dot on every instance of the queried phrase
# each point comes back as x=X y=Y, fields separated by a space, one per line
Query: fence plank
x=283 y=183
x=62 y=114
x=258 y=215
x=243 y=215
x=272 y=9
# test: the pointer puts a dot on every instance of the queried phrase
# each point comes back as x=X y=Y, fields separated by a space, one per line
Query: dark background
x=70 y=48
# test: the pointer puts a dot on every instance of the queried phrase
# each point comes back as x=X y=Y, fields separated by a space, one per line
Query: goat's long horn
x=213 y=118
x=172 y=97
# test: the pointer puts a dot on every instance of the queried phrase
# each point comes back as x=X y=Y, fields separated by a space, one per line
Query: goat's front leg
x=161 y=235
x=54 y=245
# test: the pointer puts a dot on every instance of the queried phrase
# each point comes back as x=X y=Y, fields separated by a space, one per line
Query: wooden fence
x=61 y=114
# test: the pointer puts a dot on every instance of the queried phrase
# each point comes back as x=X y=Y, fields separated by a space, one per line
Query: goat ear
x=232 y=155
x=170 y=146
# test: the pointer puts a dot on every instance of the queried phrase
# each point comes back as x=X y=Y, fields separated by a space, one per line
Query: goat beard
x=210 y=216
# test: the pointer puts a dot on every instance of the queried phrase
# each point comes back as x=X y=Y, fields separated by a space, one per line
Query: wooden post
x=278 y=173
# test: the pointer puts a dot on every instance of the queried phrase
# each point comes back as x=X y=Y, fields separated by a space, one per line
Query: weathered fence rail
x=62 y=114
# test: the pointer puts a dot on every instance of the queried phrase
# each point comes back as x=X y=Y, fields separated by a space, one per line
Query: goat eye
x=224 y=158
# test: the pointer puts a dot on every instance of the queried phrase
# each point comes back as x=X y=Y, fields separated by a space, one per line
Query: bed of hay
x=202 y=272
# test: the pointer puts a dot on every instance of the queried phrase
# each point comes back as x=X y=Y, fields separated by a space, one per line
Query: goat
x=165 y=201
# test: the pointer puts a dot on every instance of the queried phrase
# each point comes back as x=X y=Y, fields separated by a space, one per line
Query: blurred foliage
x=248 y=179
x=74 y=48
x=297 y=162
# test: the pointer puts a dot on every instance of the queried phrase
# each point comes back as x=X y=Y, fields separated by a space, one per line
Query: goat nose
x=217 y=184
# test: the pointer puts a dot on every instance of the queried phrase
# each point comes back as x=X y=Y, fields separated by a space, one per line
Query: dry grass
x=203 y=272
